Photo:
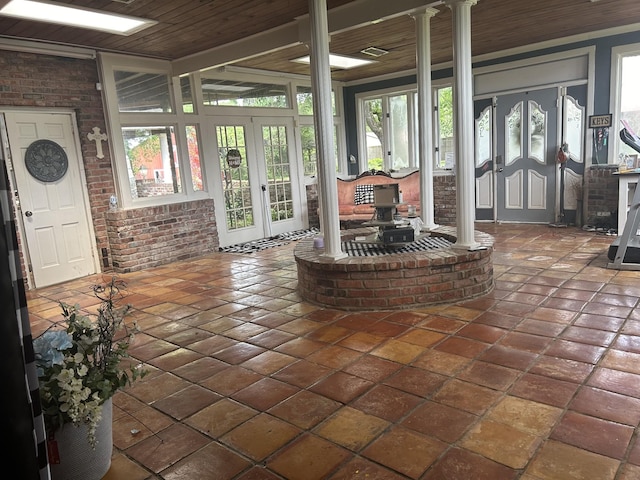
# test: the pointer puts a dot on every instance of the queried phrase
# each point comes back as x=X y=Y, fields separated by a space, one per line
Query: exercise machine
x=624 y=252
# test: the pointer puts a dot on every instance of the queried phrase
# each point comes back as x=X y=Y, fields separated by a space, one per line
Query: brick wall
x=601 y=187
x=150 y=188
x=43 y=81
x=313 y=204
x=147 y=237
x=444 y=199
x=395 y=281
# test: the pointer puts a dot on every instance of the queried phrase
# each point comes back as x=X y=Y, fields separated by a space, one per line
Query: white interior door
x=259 y=196
x=52 y=196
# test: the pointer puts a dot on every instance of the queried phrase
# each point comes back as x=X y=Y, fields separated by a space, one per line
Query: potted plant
x=80 y=367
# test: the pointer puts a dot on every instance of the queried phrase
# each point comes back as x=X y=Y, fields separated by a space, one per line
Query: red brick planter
x=395 y=281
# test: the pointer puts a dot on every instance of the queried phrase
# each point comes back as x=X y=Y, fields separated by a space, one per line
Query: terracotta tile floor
x=538 y=380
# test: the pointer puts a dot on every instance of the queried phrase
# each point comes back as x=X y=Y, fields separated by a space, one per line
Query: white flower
x=79 y=368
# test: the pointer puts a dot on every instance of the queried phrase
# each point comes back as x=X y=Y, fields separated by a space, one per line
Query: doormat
x=362 y=249
x=275 y=241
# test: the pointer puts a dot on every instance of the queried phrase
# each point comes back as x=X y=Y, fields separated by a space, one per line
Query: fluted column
x=463 y=122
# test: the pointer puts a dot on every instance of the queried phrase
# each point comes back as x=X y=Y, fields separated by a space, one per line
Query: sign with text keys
x=599 y=121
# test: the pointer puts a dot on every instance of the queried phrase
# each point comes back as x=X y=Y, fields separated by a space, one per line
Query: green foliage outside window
x=445 y=112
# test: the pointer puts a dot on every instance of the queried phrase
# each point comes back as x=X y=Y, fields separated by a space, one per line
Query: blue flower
x=49 y=347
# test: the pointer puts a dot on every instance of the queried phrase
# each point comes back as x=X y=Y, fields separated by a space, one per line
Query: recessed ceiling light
x=338 y=61
x=50 y=12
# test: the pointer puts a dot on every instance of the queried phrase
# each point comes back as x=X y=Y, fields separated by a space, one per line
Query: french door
x=526 y=141
x=259 y=188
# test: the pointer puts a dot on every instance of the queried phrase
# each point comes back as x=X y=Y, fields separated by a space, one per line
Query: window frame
x=179 y=119
x=109 y=63
x=308 y=120
x=412 y=125
x=617 y=55
x=437 y=147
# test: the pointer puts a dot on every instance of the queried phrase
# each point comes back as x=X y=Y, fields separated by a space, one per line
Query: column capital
x=427 y=12
x=454 y=3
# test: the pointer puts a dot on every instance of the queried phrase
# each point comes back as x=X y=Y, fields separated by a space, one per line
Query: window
x=158 y=155
x=627 y=108
x=308 y=143
x=187 y=95
x=243 y=94
x=399 y=138
x=445 y=141
x=193 y=147
x=304 y=100
x=483 y=138
x=151 y=161
x=142 y=92
x=236 y=184
x=374 y=132
x=573 y=127
x=389 y=130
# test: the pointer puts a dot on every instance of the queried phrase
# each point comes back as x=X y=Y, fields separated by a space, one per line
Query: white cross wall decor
x=97 y=137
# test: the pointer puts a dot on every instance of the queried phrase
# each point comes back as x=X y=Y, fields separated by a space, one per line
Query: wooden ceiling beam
x=340 y=19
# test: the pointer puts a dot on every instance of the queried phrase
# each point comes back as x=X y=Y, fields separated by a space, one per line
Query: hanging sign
x=599 y=121
x=234 y=158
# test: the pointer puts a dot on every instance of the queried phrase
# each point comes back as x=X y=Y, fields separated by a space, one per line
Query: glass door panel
x=276 y=155
x=236 y=180
x=374 y=133
x=281 y=183
x=259 y=191
x=399 y=128
x=236 y=185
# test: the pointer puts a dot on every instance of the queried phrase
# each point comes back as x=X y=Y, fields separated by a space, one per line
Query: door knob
x=28 y=213
x=500 y=169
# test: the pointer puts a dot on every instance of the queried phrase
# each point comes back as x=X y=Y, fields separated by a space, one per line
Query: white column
x=323 y=121
x=463 y=122
x=425 y=115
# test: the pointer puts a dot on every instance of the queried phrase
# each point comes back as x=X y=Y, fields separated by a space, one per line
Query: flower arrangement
x=79 y=368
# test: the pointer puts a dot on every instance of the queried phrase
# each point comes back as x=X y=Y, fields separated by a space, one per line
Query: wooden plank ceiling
x=188 y=27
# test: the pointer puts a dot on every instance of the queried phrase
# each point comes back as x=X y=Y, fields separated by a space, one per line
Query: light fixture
x=51 y=12
x=338 y=61
x=218 y=87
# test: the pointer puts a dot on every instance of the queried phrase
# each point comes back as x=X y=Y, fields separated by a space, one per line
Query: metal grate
x=374 y=51
x=365 y=249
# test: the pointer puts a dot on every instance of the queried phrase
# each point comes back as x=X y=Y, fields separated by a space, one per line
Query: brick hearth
x=395 y=281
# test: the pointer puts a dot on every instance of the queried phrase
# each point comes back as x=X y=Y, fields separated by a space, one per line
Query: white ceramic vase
x=78 y=461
